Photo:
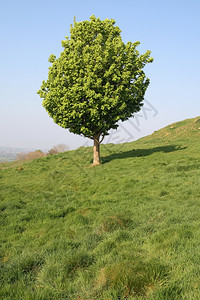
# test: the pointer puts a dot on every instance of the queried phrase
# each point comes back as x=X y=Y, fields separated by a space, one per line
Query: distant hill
x=9 y=154
x=126 y=229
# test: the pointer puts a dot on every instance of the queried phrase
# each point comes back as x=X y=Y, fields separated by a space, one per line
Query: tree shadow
x=141 y=152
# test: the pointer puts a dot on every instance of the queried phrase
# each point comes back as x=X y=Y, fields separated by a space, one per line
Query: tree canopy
x=97 y=80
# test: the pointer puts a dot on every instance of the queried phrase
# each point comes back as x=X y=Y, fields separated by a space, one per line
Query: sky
x=32 y=30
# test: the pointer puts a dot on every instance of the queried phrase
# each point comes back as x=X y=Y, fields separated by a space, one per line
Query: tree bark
x=96 y=157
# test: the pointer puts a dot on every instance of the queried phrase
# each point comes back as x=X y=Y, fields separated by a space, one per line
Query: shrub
x=30 y=155
x=58 y=149
x=21 y=156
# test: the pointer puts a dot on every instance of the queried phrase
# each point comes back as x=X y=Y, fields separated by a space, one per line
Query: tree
x=58 y=149
x=97 y=81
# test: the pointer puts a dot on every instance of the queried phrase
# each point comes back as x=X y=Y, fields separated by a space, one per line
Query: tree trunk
x=96 y=158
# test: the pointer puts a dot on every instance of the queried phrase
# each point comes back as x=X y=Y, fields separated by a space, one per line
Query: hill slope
x=128 y=229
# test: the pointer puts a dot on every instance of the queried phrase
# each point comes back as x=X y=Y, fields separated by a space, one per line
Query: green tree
x=97 y=81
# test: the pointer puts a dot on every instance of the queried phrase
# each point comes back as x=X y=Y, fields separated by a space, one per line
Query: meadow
x=126 y=229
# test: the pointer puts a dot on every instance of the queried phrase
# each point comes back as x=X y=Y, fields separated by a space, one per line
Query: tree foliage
x=97 y=80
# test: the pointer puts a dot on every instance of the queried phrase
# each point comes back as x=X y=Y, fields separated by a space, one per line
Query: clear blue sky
x=31 y=30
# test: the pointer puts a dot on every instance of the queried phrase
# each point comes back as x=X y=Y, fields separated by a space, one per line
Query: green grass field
x=127 y=229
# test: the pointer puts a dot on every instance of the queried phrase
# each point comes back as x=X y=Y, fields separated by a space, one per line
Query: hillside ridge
x=127 y=229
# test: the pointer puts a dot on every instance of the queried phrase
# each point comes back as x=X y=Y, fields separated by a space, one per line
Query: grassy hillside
x=127 y=229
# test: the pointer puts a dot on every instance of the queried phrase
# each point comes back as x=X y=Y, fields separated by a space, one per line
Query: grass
x=127 y=229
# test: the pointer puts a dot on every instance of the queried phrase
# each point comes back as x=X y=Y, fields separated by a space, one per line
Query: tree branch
x=102 y=138
x=96 y=137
